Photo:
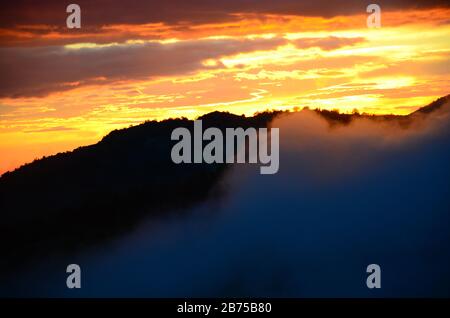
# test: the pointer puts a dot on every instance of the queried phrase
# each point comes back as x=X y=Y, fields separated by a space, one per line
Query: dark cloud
x=42 y=70
x=101 y=12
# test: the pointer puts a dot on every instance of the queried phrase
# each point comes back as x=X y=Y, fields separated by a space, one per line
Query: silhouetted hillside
x=94 y=192
x=335 y=117
x=437 y=104
x=77 y=197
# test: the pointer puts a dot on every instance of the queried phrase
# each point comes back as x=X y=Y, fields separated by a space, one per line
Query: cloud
x=25 y=23
x=327 y=44
x=181 y=12
x=40 y=71
x=346 y=195
x=50 y=129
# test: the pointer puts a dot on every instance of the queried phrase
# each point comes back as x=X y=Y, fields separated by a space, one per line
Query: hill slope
x=94 y=192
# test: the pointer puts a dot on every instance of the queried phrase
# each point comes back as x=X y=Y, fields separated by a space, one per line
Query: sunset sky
x=133 y=61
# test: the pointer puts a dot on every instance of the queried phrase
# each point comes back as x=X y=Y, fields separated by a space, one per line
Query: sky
x=133 y=61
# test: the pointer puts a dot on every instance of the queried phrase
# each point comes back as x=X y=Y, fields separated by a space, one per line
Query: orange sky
x=63 y=89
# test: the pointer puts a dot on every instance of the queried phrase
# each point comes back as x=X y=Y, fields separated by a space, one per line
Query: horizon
x=63 y=88
x=292 y=110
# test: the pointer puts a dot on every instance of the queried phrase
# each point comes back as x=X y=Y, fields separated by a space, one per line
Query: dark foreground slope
x=94 y=192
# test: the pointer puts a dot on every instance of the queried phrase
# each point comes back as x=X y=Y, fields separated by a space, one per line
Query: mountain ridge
x=95 y=192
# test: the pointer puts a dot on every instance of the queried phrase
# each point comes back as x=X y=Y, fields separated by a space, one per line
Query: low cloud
x=50 y=129
x=328 y=43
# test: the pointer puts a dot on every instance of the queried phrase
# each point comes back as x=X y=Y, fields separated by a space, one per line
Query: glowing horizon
x=66 y=89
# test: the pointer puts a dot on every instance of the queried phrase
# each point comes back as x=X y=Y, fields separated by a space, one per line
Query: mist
x=374 y=191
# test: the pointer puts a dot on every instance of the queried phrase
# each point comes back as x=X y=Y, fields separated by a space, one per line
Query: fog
x=345 y=196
